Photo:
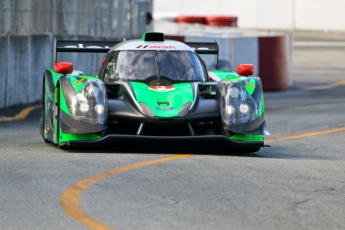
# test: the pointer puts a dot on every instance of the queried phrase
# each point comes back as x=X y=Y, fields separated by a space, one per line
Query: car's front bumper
x=113 y=139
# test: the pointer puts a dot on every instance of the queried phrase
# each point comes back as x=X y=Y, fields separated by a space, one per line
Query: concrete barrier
x=23 y=60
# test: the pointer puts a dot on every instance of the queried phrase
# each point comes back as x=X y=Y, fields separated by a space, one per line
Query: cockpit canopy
x=139 y=65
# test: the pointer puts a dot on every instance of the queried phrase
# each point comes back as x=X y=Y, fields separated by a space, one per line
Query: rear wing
x=205 y=48
x=105 y=46
x=82 y=46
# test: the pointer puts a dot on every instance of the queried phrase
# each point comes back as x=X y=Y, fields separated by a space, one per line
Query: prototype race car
x=151 y=89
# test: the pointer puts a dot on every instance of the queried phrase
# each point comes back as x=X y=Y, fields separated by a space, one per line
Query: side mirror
x=63 y=67
x=245 y=69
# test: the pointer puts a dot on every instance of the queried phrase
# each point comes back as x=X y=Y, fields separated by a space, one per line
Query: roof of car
x=138 y=44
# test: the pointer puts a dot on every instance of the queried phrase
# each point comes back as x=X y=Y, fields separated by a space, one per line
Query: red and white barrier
x=211 y=20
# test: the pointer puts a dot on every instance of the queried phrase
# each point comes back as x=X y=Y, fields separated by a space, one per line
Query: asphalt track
x=297 y=183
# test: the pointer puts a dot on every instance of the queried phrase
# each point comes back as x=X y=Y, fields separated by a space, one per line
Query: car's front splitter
x=113 y=139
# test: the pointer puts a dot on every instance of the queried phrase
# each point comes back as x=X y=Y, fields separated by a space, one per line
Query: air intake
x=153 y=37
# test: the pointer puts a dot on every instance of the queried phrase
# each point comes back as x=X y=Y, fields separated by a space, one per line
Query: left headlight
x=237 y=106
x=90 y=104
x=91 y=89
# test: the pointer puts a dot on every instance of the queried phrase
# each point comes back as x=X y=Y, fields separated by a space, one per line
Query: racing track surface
x=297 y=183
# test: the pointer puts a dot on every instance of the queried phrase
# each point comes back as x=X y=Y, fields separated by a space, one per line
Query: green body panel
x=65 y=137
x=77 y=82
x=262 y=106
x=248 y=137
x=164 y=103
x=225 y=74
x=250 y=86
x=56 y=121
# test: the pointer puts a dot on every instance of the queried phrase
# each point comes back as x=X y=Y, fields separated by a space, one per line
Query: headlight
x=84 y=107
x=234 y=92
x=147 y=110
x=99 y=108
x=244 y=108
x=229 y=109
x=91 y=89
x=79 y=103
x=237 y=106
x=90 y=104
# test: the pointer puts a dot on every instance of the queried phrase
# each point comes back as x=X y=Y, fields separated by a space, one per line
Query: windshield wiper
x=158 y=76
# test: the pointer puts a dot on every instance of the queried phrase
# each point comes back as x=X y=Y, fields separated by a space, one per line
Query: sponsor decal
x=155 y=47
x=79 y=81
x=162 y=88
x=248 y=84
x=165 y=109
x=163 y=103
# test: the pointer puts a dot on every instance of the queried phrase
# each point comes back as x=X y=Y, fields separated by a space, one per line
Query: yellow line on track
x=21 y=115
x=327 y=86
x=307 y=134
x=70 y=198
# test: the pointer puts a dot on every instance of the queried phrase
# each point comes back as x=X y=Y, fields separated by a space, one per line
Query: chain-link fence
x=99 y=18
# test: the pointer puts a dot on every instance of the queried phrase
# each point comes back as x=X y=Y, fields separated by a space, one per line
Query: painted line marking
x=21 y=115
x=70 y=198
x=320 y=87
x=307 y=134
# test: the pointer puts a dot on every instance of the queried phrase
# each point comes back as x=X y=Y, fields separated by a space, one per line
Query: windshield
x=139 y=65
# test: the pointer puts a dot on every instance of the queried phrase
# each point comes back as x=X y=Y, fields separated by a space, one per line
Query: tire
x=41 y=122
x=42 y=130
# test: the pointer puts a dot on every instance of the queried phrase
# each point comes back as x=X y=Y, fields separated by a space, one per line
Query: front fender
x=241 y=104
x=83 y=104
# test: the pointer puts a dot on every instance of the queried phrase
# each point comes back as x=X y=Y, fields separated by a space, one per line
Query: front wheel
x=41 y=127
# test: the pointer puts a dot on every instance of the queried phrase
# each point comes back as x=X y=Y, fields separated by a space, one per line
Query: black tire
x=42 y=130
x=41 y=123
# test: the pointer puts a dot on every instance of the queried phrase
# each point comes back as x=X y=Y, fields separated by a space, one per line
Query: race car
x=151 y=90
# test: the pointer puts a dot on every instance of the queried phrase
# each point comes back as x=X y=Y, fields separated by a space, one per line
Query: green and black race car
x=151 y=89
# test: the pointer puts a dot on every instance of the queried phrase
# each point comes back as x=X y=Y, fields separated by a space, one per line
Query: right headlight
x=234 y=92
x=237 y=106
x=80 y=104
